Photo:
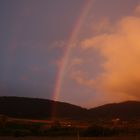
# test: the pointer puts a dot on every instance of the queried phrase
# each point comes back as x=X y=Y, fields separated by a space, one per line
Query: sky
x=84 y=52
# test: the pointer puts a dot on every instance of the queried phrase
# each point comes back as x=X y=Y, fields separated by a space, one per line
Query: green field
x=69 y=138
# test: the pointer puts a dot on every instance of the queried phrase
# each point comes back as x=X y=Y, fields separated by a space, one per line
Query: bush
x=98 y=131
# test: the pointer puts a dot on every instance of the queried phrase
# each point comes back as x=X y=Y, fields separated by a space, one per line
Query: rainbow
x=73 y=36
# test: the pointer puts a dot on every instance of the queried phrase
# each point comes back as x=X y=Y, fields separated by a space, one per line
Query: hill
x=129 y=110
x=32 y=108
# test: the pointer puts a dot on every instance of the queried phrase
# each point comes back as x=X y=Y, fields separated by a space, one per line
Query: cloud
x=120 y=79
x=137 y=10
x=102 y=25
x=78 y=74
x=77 y=61
x=58 y=44
x=80 y=78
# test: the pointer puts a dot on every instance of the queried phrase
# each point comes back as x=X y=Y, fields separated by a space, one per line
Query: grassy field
x=69 y=138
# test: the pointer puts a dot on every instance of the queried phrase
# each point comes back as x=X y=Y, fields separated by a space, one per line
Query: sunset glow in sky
x=84 y=52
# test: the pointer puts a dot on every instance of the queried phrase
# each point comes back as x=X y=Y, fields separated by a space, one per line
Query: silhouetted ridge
x=124 y=110
x=21 y=107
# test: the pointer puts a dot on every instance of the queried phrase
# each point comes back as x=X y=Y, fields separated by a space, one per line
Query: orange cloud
x=137 y=10
x=77 y=61
x=80 y=78
x=103 y=25
x=120 y=79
